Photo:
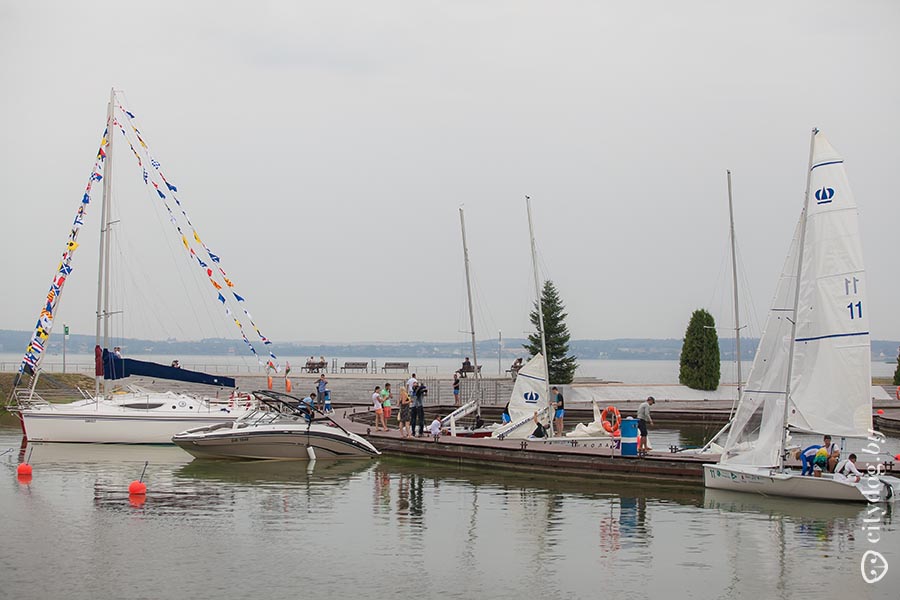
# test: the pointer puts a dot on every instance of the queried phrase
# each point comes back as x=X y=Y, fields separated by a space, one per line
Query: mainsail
x=830 y=387
x=528 y=397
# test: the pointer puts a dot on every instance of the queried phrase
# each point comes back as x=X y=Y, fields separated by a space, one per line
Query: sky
x=324 y=150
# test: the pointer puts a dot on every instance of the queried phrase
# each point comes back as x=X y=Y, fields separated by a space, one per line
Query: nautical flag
x=237 y=297
x=129 y=114
x=71 y=245
x=171 y=187
x=212 y=256
x=221 y=298
x=96 y=176
x=153 y=161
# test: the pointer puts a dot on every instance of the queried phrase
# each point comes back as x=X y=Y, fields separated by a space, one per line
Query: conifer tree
x=561 y=367
x=897 y=371
x=700 y=367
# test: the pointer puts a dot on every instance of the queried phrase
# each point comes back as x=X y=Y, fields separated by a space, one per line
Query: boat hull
x=274 y=445
x=768 y=482
x=125 y=418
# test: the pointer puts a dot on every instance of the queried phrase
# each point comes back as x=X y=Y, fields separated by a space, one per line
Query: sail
x=831 y=386
x=831 y=373
x=528 y=396
x=755 y=434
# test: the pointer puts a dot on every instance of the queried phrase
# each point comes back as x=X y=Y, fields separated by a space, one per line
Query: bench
x=470 y=369
x=398 y=366
x=314 y=367
x=353 y=366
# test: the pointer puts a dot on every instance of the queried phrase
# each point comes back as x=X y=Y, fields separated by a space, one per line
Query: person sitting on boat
x=308 y=405
x=847 y=472
x=504 y=416
x=807 y=456
x=834 y=453
x=176 y=364
x=514 y=368
x=539 y=430
x=117 y=351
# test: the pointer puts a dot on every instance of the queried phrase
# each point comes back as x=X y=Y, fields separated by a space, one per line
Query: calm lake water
x=403 y=528
x=627 y=371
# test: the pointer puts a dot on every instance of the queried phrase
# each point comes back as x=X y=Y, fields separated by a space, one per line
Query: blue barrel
x=629 y=437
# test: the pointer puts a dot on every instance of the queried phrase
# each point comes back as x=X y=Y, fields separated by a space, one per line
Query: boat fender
x=897 y=393
x=890 y=489
x=610 y=418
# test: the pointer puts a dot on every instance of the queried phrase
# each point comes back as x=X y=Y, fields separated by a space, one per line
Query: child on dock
x=435 y=428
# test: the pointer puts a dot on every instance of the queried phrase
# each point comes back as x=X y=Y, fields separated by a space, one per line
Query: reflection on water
x=406 y=528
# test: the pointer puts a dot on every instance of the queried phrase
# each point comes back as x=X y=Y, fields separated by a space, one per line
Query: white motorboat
x=280 y=428
x=812 y=370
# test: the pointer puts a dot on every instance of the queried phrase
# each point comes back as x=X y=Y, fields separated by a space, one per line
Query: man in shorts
x=559 y=403
x=643 y=415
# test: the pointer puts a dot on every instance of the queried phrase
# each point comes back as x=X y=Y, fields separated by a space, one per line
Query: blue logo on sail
x=824 y=195
x=531 y=397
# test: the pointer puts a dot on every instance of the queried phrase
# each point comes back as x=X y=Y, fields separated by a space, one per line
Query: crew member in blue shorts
x=559 y=403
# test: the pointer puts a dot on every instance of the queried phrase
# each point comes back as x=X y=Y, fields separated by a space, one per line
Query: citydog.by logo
x=873 y=566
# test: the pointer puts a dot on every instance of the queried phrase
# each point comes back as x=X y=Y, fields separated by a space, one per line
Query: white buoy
x=311 y=452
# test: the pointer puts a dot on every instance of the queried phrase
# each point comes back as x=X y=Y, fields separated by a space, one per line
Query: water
x=626 y=371
x=405 y=527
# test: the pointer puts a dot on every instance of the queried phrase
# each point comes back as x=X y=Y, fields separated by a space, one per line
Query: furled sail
x=115 y=367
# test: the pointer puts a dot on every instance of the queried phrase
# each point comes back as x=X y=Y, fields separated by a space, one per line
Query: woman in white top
x=379 y=411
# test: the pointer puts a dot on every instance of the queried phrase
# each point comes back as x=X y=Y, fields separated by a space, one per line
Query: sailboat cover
x=830 y=387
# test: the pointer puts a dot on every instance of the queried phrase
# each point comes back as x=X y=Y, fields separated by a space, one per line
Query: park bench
x=470 y=369
x=314 y=367
x=397 y=366
x=355 y=366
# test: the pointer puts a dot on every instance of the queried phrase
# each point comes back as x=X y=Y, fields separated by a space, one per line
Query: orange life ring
x=611 y=419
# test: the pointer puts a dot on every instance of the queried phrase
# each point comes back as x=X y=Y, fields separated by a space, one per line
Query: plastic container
x=629 y=437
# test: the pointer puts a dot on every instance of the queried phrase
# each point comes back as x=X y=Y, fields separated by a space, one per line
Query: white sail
x=831 y=382
x=830 y=388
x=528 y=397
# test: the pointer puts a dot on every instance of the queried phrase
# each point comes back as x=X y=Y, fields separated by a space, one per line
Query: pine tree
x=561 y=367
x=700 y=367
x=897 y=372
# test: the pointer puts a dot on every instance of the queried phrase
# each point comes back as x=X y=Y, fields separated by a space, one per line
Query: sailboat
x=531 y=391
x=812 y=370
x=126 y=414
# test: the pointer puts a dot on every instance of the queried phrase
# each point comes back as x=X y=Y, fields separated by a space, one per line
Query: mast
x=537 y=293
x=103 y=266
x=462 y=223
x=790 y=365
x=737 y=314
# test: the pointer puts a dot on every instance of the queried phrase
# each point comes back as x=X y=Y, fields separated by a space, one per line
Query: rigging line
x=148 y=179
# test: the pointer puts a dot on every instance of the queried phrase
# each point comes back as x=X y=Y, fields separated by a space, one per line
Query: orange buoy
x=897 y=457
x=269 y=381
x=880 y=411
x=287 y=385
x=137 y=488
x=137 y=500
x=24 y=479
x=23 y=469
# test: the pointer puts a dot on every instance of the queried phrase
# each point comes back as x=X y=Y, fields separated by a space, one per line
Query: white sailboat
x=531 y=391
x=812 y=370
x=124 y=414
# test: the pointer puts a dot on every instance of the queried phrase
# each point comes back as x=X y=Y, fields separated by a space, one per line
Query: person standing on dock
x=410 y=383
x=386 y=397
x=560 y=405
x=418 y=409
x=379 y=411
x=456 y=389
x=643 y=415
x=321 y=384
x=404 y=412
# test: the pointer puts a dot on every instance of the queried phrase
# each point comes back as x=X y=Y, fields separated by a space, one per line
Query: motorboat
x=280 y=427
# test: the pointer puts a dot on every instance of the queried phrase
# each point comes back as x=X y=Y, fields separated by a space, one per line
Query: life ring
x=611 y=419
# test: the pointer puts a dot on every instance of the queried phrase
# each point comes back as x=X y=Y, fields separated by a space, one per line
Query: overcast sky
x=323 y=150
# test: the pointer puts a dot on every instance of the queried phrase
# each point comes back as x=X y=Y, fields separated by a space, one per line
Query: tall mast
x=737 y=314
x=103 y=266
x=537 y=294
x=462 y=223
x=790 y=365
